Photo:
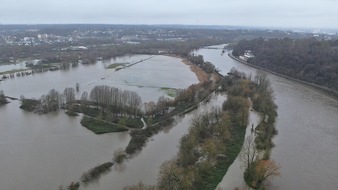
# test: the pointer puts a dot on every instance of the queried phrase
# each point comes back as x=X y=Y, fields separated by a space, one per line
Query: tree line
x=204 y=65
x=311 y=60
x=102 y=97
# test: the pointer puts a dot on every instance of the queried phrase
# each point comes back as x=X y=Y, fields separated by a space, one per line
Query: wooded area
x=311 y=60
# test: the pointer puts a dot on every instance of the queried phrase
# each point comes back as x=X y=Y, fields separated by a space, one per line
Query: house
x=247 y=55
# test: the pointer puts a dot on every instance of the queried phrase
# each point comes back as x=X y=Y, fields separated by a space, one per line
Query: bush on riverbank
x=96 y=172
x=263 y=101
x=29 y=104
x=71 y=113
x=114 y=65
x=140 y=137
x=100 y=126
x=3 y=99
x=119 y=155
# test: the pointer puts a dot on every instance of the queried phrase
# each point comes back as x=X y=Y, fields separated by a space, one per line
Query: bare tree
x=2 y=98
x=77 y=86
x=51 y=101
x=140 y=186
x=84 y=96
x=69 y=94
x=249 y=154
x=169 y=176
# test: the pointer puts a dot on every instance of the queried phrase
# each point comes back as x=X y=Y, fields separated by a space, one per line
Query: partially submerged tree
x=169 y=176
x=257 y=170
x=69 y=94
x=249 y=155
x=119 y=155
x=3 y=99
x=140 y=186
x=266 y=169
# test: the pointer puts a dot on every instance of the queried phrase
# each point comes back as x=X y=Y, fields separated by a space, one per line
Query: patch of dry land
x=201 y=75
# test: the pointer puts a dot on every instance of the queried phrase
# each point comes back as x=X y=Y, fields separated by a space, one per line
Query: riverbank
x=328 y=91
x=201 y=75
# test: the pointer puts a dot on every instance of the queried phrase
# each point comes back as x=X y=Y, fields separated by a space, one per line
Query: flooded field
x=57 y=149
x=44 y=151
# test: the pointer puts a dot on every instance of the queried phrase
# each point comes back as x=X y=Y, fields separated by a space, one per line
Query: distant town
x=44 y=40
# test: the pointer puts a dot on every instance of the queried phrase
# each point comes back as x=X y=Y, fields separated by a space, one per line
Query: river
x=45 y=151
x=307 y=142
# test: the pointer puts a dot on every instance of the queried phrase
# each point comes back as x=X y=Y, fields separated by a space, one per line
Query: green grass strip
x=101 y=127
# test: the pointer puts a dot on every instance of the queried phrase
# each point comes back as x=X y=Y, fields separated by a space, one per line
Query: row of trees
x=105 y=98
x=264 y=102
x=260 y=92
x=311 y=60
x=204 y=65
x=256 y=149
x=116 y=100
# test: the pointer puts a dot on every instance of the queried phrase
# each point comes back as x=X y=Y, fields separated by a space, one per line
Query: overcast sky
x=275 y=13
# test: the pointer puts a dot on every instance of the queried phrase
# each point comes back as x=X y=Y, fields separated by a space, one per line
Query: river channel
x=307 y=142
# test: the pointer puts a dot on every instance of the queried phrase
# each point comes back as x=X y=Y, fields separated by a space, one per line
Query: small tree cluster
x=96 y=172
x=116 y=100
x=3 y=99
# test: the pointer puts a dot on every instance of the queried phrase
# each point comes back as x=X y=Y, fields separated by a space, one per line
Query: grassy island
x=100 y=126
x=114 y=65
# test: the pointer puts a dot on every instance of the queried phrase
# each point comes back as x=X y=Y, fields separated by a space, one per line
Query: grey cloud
x=314 y=13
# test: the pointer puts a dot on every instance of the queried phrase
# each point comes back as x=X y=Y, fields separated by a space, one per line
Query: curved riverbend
x=307 y=142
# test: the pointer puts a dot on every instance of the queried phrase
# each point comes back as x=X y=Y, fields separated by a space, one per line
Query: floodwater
x=307 y=142
x=147 y=78
x=45 y=151
x=17 y=66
